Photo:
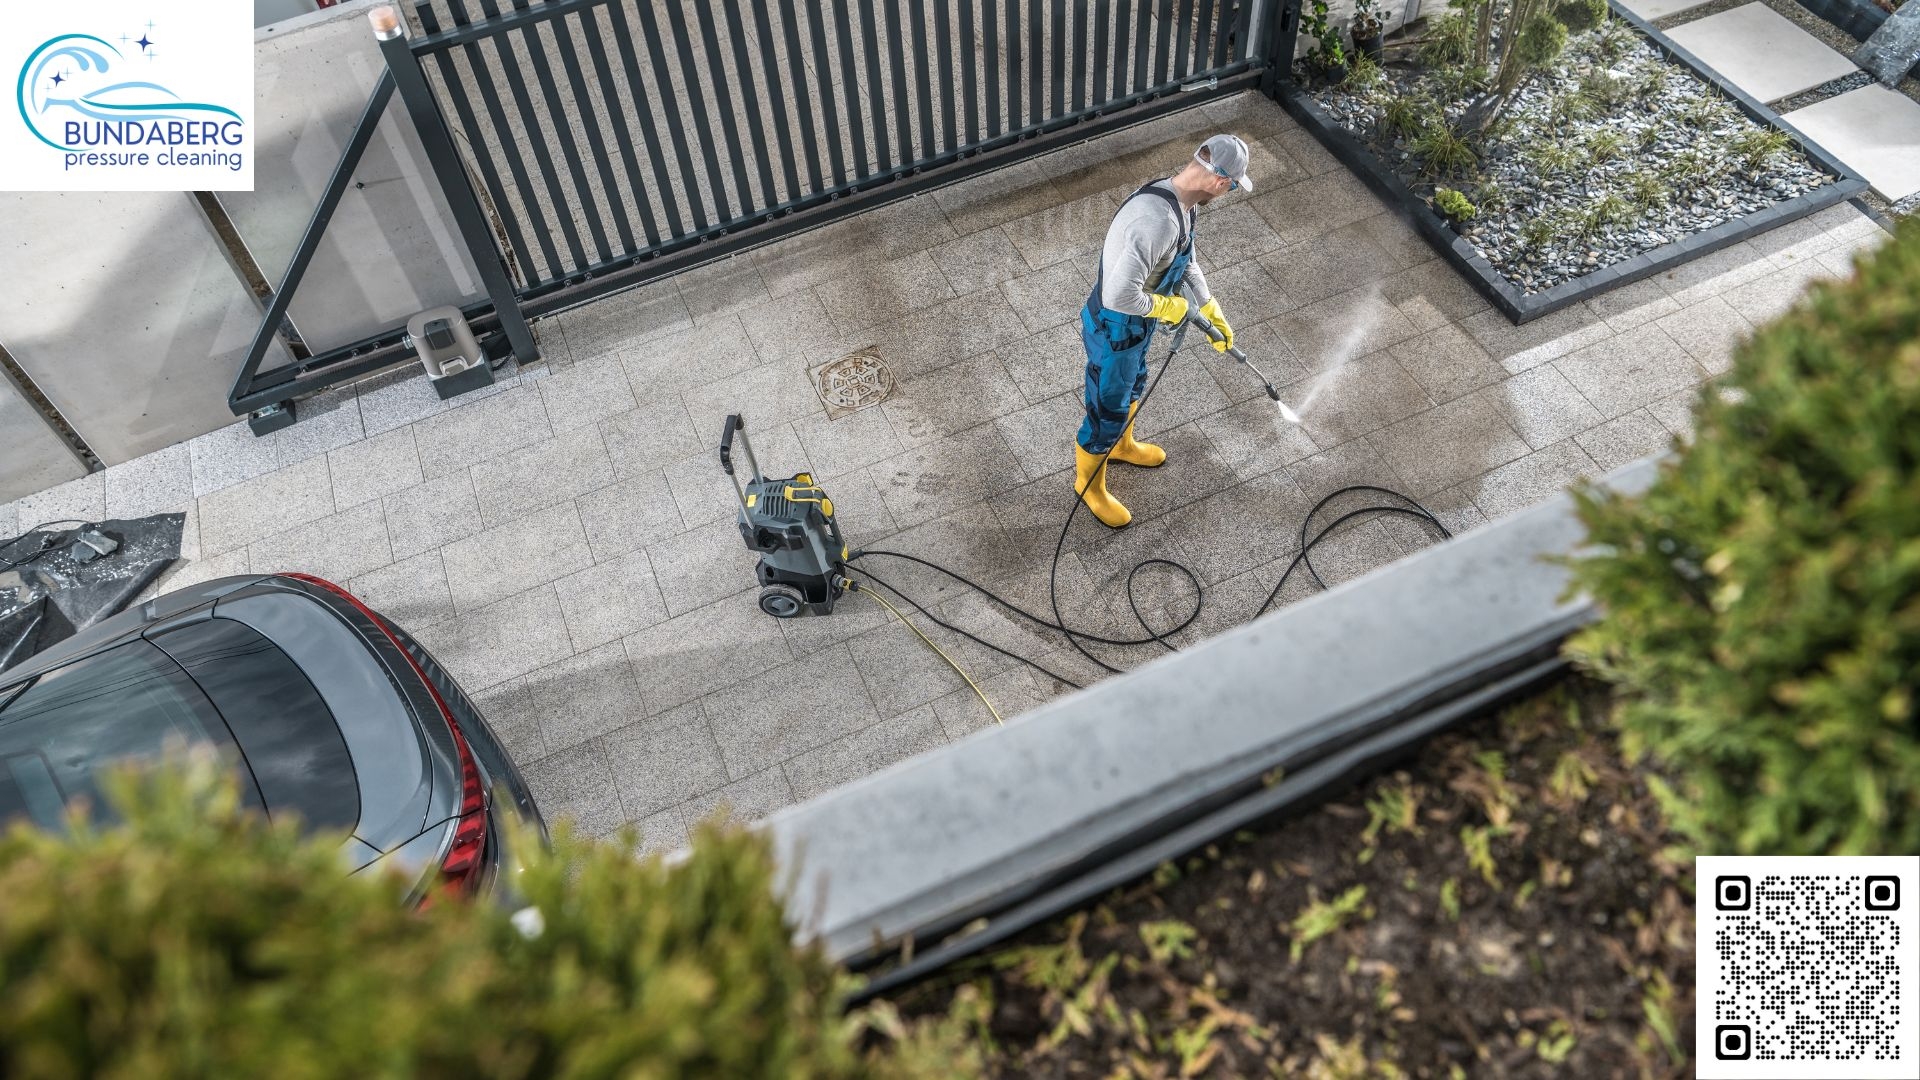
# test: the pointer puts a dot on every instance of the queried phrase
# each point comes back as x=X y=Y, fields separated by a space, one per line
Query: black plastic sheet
x=55 y=595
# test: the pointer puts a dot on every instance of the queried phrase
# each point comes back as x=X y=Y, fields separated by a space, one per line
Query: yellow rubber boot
x=1093 y=489
x=1133 y=452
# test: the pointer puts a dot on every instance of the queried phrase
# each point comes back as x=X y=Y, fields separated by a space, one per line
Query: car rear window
x=284 y=728
x=129 y=703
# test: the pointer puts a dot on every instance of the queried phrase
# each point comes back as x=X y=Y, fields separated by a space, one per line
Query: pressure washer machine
x=790 y=523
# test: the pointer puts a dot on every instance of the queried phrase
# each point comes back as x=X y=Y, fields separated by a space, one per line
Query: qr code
x=1807 y=967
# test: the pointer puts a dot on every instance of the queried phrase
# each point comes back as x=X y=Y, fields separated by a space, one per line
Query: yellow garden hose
x=938 y=650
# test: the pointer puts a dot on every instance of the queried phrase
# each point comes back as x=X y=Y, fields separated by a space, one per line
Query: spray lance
x=1213 y=334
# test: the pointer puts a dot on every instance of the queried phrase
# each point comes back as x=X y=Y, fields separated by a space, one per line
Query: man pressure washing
x=1147 y=258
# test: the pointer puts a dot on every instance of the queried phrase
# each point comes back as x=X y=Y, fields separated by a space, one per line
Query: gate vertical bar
x=902 y=103
x=943 y=39
x=1059 y=63
x=542 y=156
x=922 y=67
x=756 y=121
x=649 y=133
x=1036 y=17
x=1203 y=41
x=969 y=47
x=1102 y=16
x=1161 y=68
x=570 y=61
x=990 y=44
x=1283 y=38
x=796 y=78
x=1142 y=41
x=850 y=86
x=1223 y=33
x=668 y=103
x=876 y=100
x=817 y=33
x=723 y=100
x=1122 y=47
x=622 y=130
x=697 y=108
x=410 y=81
x=1078 y=46
x=563 y=133
x=1183 y=47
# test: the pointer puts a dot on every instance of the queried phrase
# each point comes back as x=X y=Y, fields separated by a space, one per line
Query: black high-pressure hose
x=1075 y=637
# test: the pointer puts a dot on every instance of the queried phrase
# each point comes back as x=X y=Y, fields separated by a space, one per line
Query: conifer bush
x=195 y=939
x=1762 y=598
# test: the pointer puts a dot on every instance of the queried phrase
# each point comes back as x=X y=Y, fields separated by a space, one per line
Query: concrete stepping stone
x=1873 y=130
x=1651 y=10
x=1760 y=51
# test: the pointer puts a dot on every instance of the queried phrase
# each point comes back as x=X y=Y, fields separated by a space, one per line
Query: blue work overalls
x=1117 y=342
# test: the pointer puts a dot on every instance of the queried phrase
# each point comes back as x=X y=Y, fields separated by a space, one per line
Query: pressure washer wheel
x=782 y=601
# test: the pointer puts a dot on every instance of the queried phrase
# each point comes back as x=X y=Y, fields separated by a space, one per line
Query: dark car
x=331 y=711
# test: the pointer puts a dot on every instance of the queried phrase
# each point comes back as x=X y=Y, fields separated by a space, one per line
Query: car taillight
x=467 y=854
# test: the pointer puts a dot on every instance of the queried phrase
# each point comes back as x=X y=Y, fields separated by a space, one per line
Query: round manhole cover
x=854 y=382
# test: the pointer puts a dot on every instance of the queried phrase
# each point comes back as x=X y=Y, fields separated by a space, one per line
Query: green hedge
x=1762 y=599
x=198 y=941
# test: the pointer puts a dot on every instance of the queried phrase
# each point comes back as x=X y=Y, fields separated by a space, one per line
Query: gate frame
x=501 y=318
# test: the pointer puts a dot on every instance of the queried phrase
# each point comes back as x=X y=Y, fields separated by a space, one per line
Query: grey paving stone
x=981 y=616
x=1248 y=294
x=1675 y=412
x=371 y=468
x=1359 y=322
x=884 y=292
x=508 y=711
x=1638 y=367
x=227 y=456
x=1398 y=239
x=610 y=600
x=1708 y=330
x=721 y=287
x=1793 y=241
x=1249 y=114
x=702 y=565
x=258 y=508
x=848 y=443
x=1242 y=527
x=1317 y=205
x=1040 y=437
x=695 y=654
x=540 y=547
x=551 y=471
x=1053 y=297
x=643 y=439
x=702 y=492
x=865 y=752
x=199 y=569
x=398 y=398
x=821 y=699
x=1431 y=294
x=660 y=834
x=1013 y=692
x=798 y=263
x=970 y=541
x=1633 y=305
x=627 y=514
x=1447 y=363
x=149 y=484
x=584 y=696
x=1660 y=9
x=1542 y=406
x=1065 y=232
x=327 y=421
x=1715 y=273
x=1354 y=550
x=663 y=368
x=859 y=507
x=1455 y=509
x=795 y=330
x=618 y=322
x=1253 y=439
x=576 y=785
x=1235 y=233
x=1344 y=259
x=902 y=674
x=948 y=332
x=1345 y=402
x=412 y=592
x=1761 y=51
x=84 y=499
x=431 y=514
x=1539 y=475
x=1265 y=344
x=1453 y=442
x=856 y=614
x=1845 y=221
x=1773 y=294
x=9 y=520
x=1185 y=392
x=1047 y=363
x=501 y=641
x=744 y=801
x=462 y=437
x=997 y=197
x=765 y=396
x=1624 y=439
x=1518 y=348
x=1356 y=462
x=980 y=260
x=925 y=483
x=1110 y=559
x=1194 y=469
x=1305 y=148
x=586 y=393
x=336 y=547
x=932 y=406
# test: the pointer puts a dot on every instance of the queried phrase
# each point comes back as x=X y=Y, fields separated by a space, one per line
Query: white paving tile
x=1761 y=51
x=1875 y=131
x=1660 y=9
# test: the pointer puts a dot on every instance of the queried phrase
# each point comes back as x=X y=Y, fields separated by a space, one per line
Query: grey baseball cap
x=1227 y=155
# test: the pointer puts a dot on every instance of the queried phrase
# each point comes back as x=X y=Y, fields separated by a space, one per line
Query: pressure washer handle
x=1213 y=333
x=736 y=425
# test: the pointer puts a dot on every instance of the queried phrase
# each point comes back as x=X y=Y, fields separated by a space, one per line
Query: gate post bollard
x=410 y=80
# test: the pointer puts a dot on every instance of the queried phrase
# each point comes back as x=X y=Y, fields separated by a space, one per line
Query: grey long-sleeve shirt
x=1139 y=248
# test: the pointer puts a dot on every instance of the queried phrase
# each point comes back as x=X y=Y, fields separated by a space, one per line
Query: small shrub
x=197 y=939
x=1457 y=81
x=1707 y=114
x=1491 y=196
x=1569 y=106
x=1606 y=91
x=1401 y=115
x=1605 y=145
x=1449 y=43
x=1453 y=204
x=1581 y=15
x=1760 y=597
x=1647 y=138
x=1443 y=151
x=1542 y=230
x=1756 y=146
x=1363 y=75
x=1553 y=157
x=1613 y=39
x=1606 y=211
x=1650 y=82
x=1645 y=190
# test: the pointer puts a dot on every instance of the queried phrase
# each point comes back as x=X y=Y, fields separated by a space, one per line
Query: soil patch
x=1507 y=905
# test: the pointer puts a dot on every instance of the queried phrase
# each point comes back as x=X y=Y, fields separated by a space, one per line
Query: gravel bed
x=1562 y=192
x=1825 y=90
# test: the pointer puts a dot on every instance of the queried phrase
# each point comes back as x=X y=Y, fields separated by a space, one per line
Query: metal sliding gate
x=585 y=146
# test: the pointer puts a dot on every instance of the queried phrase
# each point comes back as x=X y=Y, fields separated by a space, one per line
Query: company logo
x=150 y=108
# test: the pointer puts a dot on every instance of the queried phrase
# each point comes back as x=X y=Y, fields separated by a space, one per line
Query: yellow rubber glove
x=1171 y=310
x=1211 y=309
